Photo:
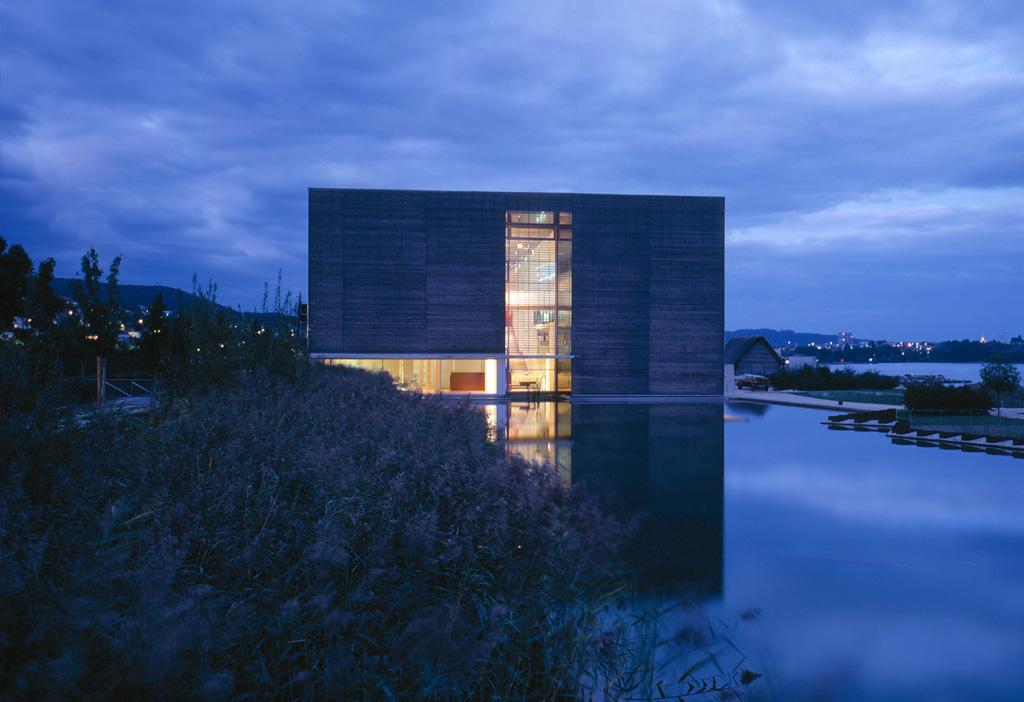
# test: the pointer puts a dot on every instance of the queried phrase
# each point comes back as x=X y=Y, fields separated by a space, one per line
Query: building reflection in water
x=537 y=431
x=662 y=462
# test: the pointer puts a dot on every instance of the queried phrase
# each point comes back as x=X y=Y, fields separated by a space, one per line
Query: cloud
x=891 y=67
x=901 y=220
x=142 y=133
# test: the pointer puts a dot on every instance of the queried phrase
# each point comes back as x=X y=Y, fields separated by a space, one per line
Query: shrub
x=326 y=536
x=16 y=387
x=823 y=378
x=935 y=396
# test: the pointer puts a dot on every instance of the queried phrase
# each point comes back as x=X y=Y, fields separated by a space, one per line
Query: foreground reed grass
x=325 y=536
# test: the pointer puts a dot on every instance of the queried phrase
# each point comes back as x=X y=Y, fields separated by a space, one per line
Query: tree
x=998 y=376
x=15 y=273
x=43 y=303
x=152 y=344
x=49 y=338
x=101 y=314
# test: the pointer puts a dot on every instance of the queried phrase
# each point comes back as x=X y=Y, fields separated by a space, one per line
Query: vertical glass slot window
x=530 y=297
x=538 y=299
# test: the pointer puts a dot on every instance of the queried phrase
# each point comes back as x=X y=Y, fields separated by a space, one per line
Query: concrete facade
x=423 y=273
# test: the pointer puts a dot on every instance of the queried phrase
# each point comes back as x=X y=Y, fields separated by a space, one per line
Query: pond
x=876 y=571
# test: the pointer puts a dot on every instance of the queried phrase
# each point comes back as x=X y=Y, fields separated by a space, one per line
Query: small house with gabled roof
x=752 y=355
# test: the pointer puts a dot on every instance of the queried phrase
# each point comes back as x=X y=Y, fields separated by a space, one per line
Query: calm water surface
x=880 y=572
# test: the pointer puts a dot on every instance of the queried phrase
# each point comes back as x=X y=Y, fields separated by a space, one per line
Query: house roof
x=739 y=345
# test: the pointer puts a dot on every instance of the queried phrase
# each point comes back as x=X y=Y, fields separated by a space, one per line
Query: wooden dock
x=900 y=432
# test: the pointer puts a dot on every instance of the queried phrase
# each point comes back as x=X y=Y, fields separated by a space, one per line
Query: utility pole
x=101 y=382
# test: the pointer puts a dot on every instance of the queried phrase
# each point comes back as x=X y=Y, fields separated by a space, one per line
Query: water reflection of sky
x=882 y=572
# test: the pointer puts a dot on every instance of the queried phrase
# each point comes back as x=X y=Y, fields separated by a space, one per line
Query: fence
x=115 y=387
x=130 y=387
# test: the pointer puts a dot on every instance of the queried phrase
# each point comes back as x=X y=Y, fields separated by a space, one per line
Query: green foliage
x=935 y=396
x=823 y=378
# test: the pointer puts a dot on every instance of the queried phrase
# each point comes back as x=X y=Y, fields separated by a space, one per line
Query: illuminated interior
x=434 y=375
x=538 y=301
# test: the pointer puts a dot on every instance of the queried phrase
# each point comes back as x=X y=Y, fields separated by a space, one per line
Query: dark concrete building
x=505 y=292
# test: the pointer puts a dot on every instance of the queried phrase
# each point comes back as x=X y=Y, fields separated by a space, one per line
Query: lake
x=868 y=571
x=970 y=372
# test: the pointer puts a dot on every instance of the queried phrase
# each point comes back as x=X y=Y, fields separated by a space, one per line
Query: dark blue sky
x=871 y=154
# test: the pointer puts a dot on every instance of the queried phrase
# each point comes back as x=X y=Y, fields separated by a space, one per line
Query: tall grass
x=322 y=535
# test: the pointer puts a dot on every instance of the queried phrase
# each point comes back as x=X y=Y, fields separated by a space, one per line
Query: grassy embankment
x=986 y=424
x=880 y=397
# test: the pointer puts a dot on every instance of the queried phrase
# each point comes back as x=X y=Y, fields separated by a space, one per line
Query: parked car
x=751 y=382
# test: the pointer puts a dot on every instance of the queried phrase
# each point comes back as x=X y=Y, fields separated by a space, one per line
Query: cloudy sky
x=871 y=153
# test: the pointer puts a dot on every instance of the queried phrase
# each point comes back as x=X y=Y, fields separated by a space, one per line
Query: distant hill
x=133 y=296
x=783 y=337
